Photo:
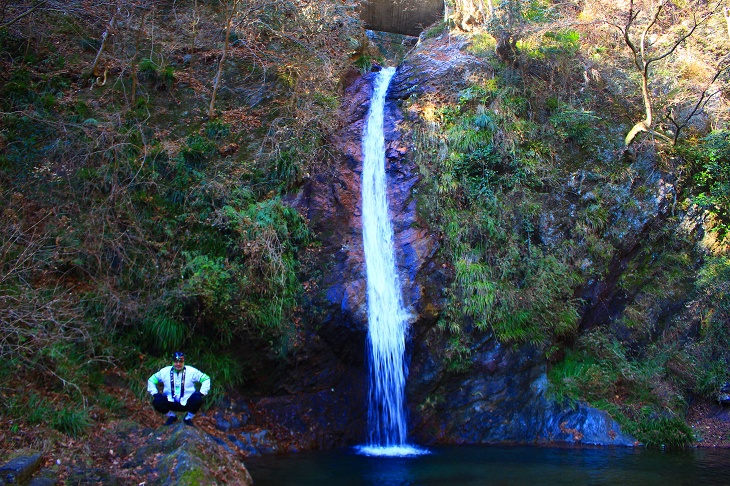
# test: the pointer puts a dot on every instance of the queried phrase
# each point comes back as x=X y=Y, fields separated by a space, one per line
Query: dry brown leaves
x=711 y=424
x=243 y=118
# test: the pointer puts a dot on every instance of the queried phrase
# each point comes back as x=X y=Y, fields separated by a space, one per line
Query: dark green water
x=482 y=465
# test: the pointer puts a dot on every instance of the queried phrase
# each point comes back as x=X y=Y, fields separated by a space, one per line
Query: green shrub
x=19 y=90
x=600 y=372
x=713 y=179
x=167 y=76
x=207 y=278
x=482 y=45
x=217 y=129
x=572 y=124
x=565 y=43
x=364 y=63
x=110 y=403
x=197 y=150
x=210 y=289
x=458 y=353
x=287 y=167
x=225 y=370
x=239 y=278
x=482 y=93
x=36 y=411
x=435 y=30
x=713 y=350
x=148 y=66
x=566 y=378
x=505 y=284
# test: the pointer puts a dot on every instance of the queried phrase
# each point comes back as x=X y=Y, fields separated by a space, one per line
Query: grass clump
x=71 y=421
x=662 y=431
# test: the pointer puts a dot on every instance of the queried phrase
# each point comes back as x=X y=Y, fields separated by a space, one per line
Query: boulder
x=20 y=469
x=182 y=455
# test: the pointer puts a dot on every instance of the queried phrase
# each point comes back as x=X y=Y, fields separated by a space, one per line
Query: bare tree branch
x=643 y=61
x=24 y=14
x=705 y=97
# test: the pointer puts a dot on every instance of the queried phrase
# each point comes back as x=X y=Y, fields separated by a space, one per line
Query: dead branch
x=104 y=37
x=24 y=14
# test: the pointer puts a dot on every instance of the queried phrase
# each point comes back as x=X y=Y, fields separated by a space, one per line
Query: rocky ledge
x=127 y=453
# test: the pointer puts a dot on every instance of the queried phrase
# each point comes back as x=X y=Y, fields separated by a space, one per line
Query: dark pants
x=163 y=405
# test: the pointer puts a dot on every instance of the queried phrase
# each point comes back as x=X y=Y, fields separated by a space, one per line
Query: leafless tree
x=135 y=80
x=679 y=120
x=637 y=30
x=111 y=26
x=193 y=35
x=230 y=12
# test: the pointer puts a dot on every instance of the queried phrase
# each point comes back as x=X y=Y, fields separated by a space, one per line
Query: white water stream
x=387 y=319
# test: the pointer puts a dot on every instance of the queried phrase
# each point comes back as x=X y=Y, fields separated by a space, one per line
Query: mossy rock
x=182 y=455
x=185 y=468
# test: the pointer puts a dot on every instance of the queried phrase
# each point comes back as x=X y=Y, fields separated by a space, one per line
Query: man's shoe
x=188 y=421
x=171 y=420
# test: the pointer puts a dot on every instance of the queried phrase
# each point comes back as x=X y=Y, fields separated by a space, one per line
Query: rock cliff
x=321 y=394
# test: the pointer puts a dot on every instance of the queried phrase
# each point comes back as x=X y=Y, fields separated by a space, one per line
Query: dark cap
x=178 y=355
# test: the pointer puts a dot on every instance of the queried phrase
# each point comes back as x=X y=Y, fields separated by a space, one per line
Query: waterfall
x=387 y=318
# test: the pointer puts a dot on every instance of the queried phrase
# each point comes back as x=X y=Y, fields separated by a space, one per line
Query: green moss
x=193 y=477
x=435 y=30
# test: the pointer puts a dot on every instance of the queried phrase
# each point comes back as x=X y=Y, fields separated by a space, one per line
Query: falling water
x=387 y=319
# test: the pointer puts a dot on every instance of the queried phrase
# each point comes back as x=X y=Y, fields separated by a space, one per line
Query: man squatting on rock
x=178 y=389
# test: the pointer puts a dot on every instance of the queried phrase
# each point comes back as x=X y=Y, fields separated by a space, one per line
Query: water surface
x=492 y=465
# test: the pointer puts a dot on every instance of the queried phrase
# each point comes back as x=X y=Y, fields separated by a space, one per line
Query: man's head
x=178 y=360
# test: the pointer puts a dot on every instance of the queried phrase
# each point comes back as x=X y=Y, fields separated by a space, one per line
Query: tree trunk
x=645 y=124
x=135 y=80
x=193 y=37
x=471 y=12
x=226 y=44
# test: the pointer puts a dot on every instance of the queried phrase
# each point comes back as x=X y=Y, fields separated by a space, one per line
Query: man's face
x=178 y=364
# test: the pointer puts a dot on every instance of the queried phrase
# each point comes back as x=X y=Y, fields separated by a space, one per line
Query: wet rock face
x=500 y=399
x=723 y=396
x=20 y=469
x=321 y=394
x=317 y=399
x=332 y=203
